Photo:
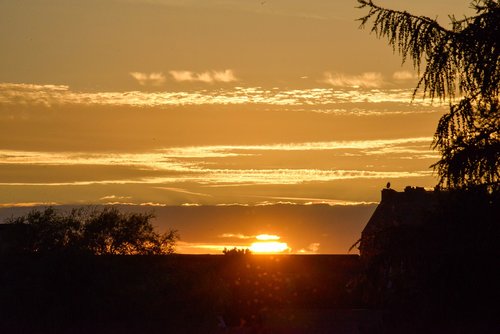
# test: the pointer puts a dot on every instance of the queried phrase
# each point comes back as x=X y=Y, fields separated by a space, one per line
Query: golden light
x=267 y=237
x=268 y=247
x=268 y=244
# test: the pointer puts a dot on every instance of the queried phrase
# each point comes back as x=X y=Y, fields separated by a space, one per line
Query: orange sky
x=219 y=102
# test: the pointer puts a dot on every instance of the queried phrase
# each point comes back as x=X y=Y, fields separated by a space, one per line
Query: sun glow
x=268 y=247
x=268 y=243
x=267 y=237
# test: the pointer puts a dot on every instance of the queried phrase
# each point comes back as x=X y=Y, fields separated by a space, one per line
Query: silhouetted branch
x=465 y=62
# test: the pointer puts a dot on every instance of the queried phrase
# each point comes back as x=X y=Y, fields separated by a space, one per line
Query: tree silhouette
x=49 y=231
x=105 y=231
x=110 y=231
x=236 y=252
x=462 y=66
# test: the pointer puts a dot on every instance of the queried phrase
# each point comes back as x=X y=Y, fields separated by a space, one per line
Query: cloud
x=184 y=247
x=207 y=177
x=312 y=201
x=312 y=248
x=270 y=203
x=27 y=204
x=32 y=87
x=154 y=161
x=206 y=77
x=365 y=80
x=308 y=99
x=369 y=147
x=114 y=197
x=183 y=191
x=177 y=165
x=236 y=236
x=137 y=204
x=287 y=176
x=151 y=79
x=404 y=75
x=267 y=237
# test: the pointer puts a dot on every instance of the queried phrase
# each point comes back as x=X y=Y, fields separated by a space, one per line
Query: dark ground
x=192 y=294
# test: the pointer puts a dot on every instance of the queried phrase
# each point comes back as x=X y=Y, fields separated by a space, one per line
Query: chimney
x=388 y=195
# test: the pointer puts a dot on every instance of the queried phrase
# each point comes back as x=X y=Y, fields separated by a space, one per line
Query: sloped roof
x=410 y=207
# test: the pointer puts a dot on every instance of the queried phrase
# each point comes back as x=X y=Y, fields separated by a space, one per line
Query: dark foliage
x=105 y=231
x=236 y=252
x=462 y=65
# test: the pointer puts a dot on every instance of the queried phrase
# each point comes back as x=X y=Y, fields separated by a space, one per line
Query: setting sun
x=269 y=247
x=268 y=244
x=267 y=237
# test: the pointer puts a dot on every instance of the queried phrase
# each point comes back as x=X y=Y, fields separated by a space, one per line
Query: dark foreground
x=205 y=294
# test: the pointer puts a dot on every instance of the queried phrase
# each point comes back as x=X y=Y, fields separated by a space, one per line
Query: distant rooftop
x=410 y=207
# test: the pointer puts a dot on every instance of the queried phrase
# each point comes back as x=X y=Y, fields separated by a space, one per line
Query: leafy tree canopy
x=105 y=231
x=462 y=66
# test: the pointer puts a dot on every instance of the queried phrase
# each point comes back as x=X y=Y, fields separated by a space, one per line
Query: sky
x=160 y=103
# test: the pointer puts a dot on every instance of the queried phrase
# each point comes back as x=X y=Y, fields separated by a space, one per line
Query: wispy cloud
x=417 y=146
x=367 y=80
x=296 y=176
x=114 y=197
x=27 y=204
x=404 y=75
x=5 y=86
x=177 y=159
x=149 y=79
x=206 y=77
x=155 y=161
x=137 y=204
x=328 y=201
x=271 y=203
x=311 y=249
x=267 y=237
x=167 y=168
x=236 y=236
x=244 y=177
x=183 y=191
x=309 y=99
